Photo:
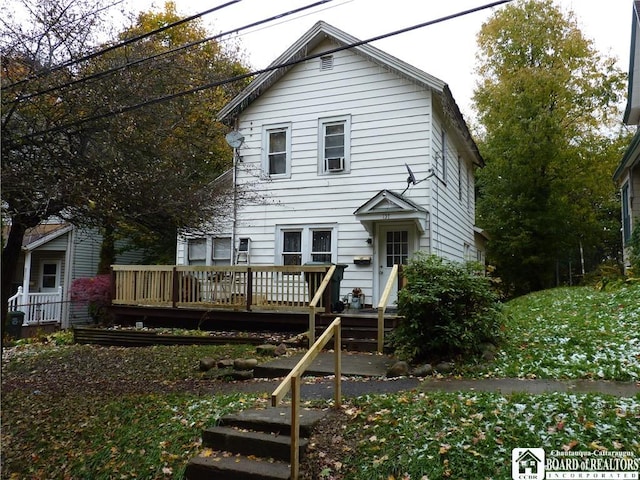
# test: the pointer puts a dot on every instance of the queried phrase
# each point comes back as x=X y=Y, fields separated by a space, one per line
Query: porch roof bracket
x=388 y=206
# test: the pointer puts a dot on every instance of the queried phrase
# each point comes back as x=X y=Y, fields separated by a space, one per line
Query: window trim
x=322 y=161
x=266 y=131
x=306 y=236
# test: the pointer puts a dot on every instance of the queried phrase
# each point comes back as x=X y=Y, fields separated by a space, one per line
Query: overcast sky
x=446 y=50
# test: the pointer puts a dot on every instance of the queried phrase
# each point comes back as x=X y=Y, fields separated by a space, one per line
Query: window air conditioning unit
x=335 y=164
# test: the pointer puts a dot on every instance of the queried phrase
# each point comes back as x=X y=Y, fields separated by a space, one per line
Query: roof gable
x=321 y=31
x=387 y=205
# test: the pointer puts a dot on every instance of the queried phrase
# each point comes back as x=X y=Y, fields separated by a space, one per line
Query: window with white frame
x=298 y=246
x=277 y=150
x=197 y=251
x=292 y=247
x=334 y=145
x=221 y=251
x=209 y=251
x=50 y=275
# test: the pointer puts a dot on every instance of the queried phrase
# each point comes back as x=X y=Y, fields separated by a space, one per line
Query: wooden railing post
x=295 y=426
x=249 y=289
x=175 y=294
x=326 y=298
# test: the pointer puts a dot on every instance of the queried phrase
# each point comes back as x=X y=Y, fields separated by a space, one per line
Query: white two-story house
x=357 y=158
x=627 y=175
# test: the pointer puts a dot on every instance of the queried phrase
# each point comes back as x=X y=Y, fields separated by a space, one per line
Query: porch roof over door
x=388 y=206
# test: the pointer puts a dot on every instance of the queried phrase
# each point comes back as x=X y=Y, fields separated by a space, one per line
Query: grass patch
x=570 y=333
x=136 y=436
x=470 y=435
x=83 y=411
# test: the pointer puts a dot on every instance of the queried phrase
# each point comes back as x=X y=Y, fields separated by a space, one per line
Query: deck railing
x=38 y=307
x=234 y=287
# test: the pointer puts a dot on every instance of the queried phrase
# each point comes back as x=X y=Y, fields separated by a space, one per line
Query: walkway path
x=365 y=373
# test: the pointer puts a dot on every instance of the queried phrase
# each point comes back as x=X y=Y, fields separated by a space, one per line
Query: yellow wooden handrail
x=292 y=382
x=382 y=306
x=314 y=303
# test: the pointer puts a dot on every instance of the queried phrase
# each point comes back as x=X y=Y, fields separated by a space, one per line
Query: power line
x=168 y=52
x=270 y=68
x=119 y=45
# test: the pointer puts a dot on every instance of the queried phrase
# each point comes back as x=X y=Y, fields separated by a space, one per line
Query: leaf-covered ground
x=85 y=412
x=88 y=412
x=572 y=333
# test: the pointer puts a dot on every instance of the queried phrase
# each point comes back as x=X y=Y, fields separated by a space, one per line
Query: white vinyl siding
x=391 y=121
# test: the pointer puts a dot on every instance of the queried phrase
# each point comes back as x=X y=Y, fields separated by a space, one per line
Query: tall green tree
x=547 y=104
x=152 y=169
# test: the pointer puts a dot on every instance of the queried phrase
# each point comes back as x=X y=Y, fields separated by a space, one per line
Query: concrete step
x=275 y=420
x=235 y=468
x=256 y=445
x=247 y=442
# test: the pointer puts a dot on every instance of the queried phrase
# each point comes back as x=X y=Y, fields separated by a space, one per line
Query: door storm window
x=292 y=247
x=397 y=247
x=334 y=145
x=277 y=150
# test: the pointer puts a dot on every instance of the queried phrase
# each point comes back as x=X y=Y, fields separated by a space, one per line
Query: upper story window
x=334 y=145
x=277 y=150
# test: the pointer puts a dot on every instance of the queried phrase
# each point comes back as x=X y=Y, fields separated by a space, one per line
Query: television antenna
x=411 y=179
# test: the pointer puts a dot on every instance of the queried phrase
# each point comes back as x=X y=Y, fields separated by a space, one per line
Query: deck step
x=236 y=468
x=251 y=445
x=275 y=420
x=247 y=442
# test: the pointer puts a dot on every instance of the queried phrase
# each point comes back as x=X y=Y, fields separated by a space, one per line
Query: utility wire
x=119 y=45
x=270 y=68
x=167 y=52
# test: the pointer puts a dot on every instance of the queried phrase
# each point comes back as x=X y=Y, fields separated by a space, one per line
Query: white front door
x=396 y=244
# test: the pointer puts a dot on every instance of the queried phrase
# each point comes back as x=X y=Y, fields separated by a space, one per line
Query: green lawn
x=87 y=412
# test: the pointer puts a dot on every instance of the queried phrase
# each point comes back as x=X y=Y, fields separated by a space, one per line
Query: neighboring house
x=53 y=255
x=627 y=175
x=326 y=144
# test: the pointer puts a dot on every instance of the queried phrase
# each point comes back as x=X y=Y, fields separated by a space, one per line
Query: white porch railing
x=38 y=307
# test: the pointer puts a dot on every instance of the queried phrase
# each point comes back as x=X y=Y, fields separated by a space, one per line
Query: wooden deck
x=241 y=298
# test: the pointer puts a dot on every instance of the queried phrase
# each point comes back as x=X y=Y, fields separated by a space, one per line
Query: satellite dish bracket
x=411 y=179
